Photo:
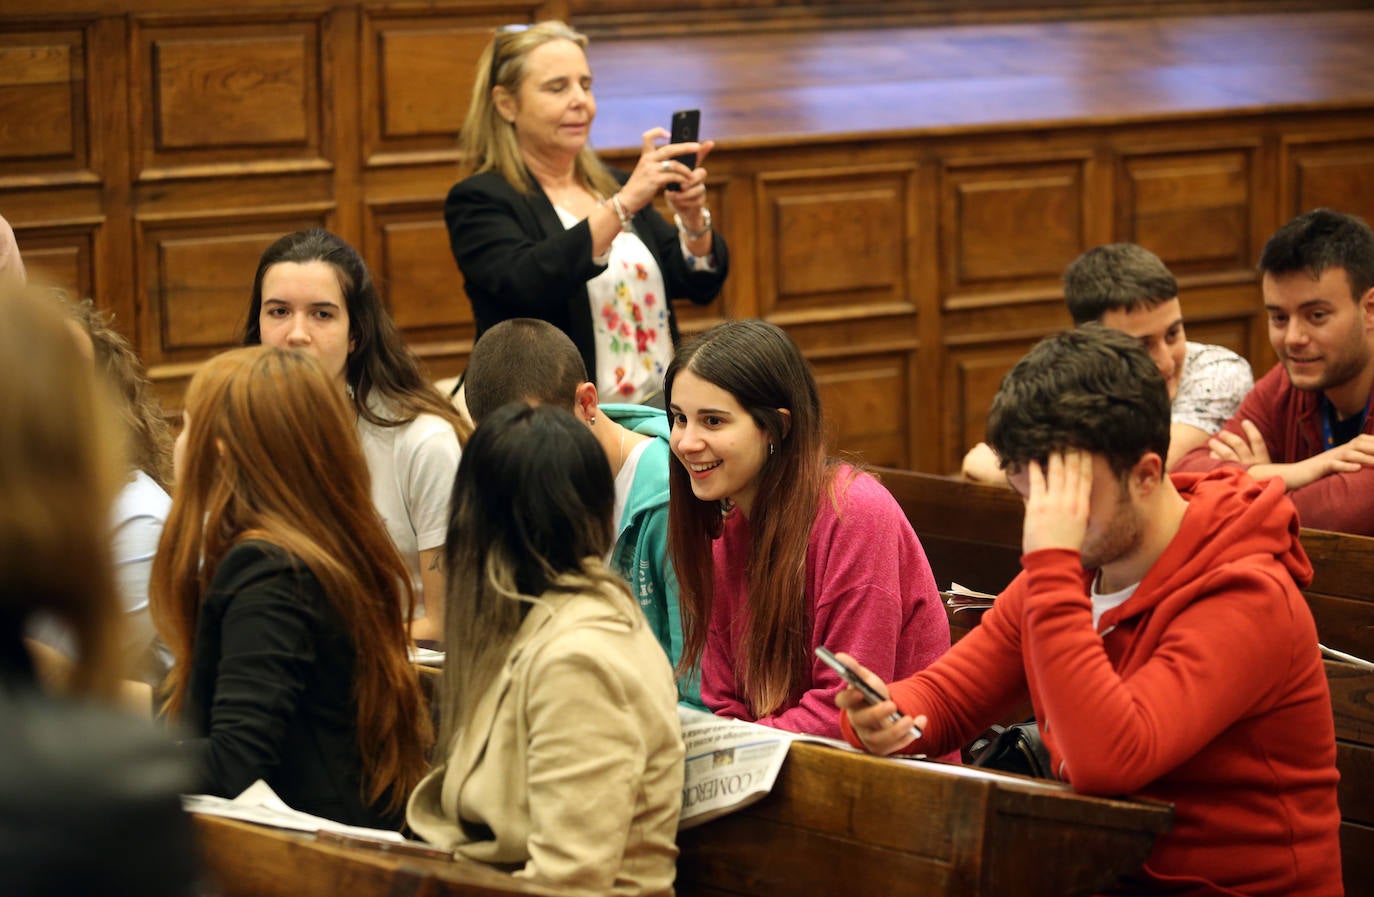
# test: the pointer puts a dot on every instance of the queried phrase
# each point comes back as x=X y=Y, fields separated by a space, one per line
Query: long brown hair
x=488 y=141
x=61 y=464
x=379 y=362
x=271 y=454
x=532 y=508
x=150 y=438
x=764 y=370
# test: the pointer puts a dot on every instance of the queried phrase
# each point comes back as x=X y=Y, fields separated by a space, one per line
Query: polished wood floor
x=770 y=88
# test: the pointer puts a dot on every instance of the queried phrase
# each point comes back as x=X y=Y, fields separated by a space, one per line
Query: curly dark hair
x=1090 y=388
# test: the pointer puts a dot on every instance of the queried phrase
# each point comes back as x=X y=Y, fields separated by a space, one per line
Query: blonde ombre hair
x=62 y=462
x=487 y=140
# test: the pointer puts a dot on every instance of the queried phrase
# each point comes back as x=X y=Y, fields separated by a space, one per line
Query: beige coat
x=570 y=773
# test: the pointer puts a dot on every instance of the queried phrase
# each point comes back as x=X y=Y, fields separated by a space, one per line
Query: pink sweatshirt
x=871 y=593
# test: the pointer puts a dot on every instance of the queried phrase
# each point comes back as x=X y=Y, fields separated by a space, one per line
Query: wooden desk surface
x=245 y=860
x=840 y=823
x=891 y=82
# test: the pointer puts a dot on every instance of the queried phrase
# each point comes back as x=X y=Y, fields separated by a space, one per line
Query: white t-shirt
x=412 y=468
x=1103 y=602
x=1213 y=382
x=139 y=513
x=624 y=482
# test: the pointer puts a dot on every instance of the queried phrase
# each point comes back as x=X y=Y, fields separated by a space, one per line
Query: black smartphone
x=686 y=127
x=870 y=694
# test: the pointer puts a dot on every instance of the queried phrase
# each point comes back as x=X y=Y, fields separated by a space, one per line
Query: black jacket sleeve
x=267 y=607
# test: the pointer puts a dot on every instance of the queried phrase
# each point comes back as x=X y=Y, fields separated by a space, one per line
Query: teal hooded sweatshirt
x=640 y=555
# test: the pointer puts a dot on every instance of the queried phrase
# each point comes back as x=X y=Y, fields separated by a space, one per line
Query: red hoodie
x=1205 y=689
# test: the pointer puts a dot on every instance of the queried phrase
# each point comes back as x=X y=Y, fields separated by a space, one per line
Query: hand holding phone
x=686 y=126
x=871 y=695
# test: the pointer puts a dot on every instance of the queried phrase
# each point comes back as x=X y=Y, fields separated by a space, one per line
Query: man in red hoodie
x=1307 y=421
x=1157 y=628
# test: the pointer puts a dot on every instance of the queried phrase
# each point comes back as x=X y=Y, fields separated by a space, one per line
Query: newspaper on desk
x=730 y=763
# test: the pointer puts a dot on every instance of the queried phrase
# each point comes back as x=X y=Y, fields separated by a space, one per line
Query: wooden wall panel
x=416 y=82
x=416 y=272
x=1010 y=227
x=833 y=238
x=44 y=105
x=218 y=97
x=148 y=155
x=1338 y=174
x=1235 y=334
x=196 y=277
x=972 y=378
x=1192 y=209
x=865 y=398
x=61 y=257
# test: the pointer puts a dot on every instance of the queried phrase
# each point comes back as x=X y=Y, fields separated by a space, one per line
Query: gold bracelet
x=694 y=235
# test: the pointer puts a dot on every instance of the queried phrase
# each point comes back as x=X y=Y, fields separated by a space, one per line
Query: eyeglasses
x=501 y=32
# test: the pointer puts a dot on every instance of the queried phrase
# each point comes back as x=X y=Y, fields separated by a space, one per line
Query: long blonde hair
x=488 y=141
x=271 y=454
x=61 y=465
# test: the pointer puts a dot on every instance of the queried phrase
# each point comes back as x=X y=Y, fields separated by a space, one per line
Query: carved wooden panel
x=1010 y=228
x=43 y=102
x=220 y=98
x=971 y=377
x=197 y=278
x=60 y=257
x=837 y=239
x=417 y=75
x=866 y=400
x=1335 y=174
x=1235 y=334
x=414 y=269
x=1192 y=209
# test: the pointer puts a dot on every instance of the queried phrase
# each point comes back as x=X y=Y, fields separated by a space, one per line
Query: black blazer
x=270 y=693
x=518 y=261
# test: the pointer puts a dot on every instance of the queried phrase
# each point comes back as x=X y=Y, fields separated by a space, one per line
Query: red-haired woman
x=282 y=597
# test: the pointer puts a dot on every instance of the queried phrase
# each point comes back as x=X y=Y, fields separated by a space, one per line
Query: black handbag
x=1017 y=748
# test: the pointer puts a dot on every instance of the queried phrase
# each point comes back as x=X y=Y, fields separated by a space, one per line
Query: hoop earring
x=771 y=448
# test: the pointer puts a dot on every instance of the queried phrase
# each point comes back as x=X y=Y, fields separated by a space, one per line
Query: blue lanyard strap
x=1328 y=413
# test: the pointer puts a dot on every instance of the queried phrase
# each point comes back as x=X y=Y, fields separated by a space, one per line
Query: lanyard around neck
x=1328 y=415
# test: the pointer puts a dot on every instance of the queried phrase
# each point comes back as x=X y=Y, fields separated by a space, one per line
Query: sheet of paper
x=259 y=804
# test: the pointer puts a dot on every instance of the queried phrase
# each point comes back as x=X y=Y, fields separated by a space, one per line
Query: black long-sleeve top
x=270 y=695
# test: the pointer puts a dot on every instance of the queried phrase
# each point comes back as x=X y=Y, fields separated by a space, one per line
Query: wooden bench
x=972 y=535
x=835 y=823
x=840 y=823
x=246 y=860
